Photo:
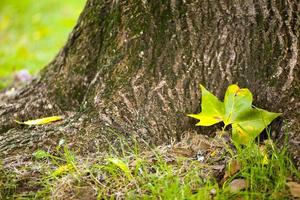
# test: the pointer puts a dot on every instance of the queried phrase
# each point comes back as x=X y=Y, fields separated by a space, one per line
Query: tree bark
x=132 y=69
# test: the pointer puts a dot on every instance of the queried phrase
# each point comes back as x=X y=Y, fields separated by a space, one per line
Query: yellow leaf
x=264 y=153
x=213 y=154
x=62 y=170
x=205 y=119
x=41 y=121
x=265 y=161
x=122 y=165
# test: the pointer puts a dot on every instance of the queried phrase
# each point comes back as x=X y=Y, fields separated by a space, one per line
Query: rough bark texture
x=133 y=69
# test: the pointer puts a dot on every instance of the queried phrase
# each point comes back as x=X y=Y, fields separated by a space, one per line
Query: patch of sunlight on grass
x=32 y=32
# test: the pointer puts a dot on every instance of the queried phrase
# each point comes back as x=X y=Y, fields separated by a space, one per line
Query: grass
x=156 y=174
x=32 y=32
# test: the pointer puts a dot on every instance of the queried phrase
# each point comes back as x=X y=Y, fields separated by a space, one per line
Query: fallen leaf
x=233 y=168
x=218 y=167
x=40 y=154
x=121 y=165
x=294 y=189
x=184 y=152
x=214 y=153
x=41 y=121
x=62 y=170
x=237 y=185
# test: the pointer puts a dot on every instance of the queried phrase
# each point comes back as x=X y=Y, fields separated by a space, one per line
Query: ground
x=198 y=167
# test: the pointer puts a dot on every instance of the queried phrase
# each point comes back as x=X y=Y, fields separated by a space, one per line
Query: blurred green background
x=32 y=32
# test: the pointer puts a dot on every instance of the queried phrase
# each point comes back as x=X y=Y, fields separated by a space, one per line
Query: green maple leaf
x=250 y=124
x=247 y=122
x=237 y=101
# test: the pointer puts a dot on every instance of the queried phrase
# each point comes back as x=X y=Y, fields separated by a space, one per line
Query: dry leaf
x=294 y=188
x=237 y=185
x=233 y=168
x=184 y=152
x=41 y=121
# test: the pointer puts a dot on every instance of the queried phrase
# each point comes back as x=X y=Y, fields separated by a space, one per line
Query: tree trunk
x=132 y=69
